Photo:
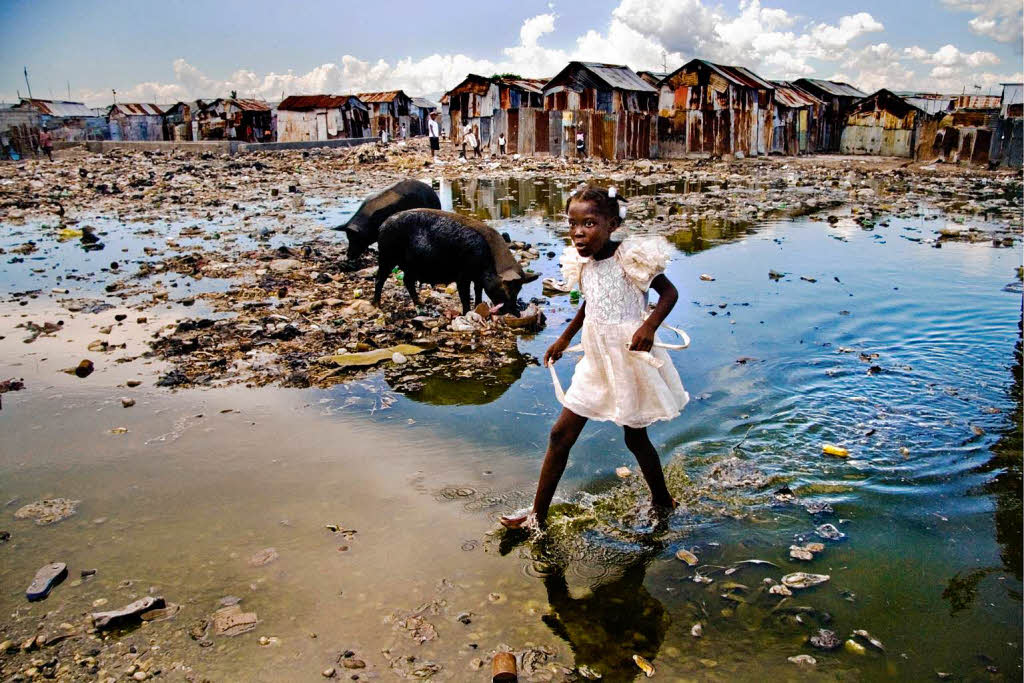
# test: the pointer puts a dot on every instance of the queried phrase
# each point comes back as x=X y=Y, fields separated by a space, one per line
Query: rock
x=328 y=673
x=802 y=660
x=127 y=402
x=48 y=511
x=132 y=383
x=779 y=589
x=697 y=630
x=129 y=612
x=263 y=557
x=707 y=278
x=84 y=369
x=140 y=676
x=687 y=557
x=622 y=472
x=800 y=553
x=232 y=621
x=829 y=532
x=398 y=358
x=284 y=265
x=353 y=663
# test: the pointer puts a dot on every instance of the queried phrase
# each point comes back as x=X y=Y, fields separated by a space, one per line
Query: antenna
x=28 y=84
x=115 y=95
x=69 y=90
x=664 y=61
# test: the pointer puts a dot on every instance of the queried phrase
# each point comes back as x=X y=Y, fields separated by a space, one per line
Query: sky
x=184 y=49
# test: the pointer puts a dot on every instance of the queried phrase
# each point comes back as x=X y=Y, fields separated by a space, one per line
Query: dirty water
x=928 y=500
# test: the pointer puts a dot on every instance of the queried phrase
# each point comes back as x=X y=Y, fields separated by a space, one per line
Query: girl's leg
x=564 y=433
x=650 y=465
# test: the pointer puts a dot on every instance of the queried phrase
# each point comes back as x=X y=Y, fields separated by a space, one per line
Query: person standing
x=402 y=132
x=433 y=134
x=46 y=142
x=501 y=144
x=581 y=145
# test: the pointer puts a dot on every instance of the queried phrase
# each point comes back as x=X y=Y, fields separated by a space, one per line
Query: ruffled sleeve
x=643 y=259
x=572 y=267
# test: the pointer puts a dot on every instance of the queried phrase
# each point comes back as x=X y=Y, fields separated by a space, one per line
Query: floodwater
x=928 y=502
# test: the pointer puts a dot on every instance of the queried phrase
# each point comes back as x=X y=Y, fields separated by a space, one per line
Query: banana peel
x=345 y=360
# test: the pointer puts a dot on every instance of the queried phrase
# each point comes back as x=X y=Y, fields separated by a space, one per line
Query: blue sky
x=179 y=48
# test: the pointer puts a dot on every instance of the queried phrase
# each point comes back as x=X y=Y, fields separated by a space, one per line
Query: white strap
x=643 y=355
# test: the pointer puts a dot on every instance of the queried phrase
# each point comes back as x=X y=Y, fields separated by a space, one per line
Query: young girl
x=622 y=377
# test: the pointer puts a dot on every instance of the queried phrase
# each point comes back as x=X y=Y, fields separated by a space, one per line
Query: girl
x=621 y=377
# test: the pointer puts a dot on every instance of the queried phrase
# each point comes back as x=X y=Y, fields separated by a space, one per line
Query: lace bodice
x=616 y=287
x=611 y=296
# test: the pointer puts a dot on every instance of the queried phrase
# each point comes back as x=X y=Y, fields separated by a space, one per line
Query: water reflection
x=707 y=232
x=606 y=625
x=455 y=385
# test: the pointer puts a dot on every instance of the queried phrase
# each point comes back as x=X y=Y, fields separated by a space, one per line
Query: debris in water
x=825 y=640
x=644 y=665
x=130 y=611
x=804 y=580
x=853 y=647
x=697 y=630
x=45 y=579
x=871 y=639
x=802 y=660
x=707 y=278
x=48 y=511
x=829 y=532
x=687 y=557
x=832 y=449
x=263 y=557
x=232 y=621
x=622 y=472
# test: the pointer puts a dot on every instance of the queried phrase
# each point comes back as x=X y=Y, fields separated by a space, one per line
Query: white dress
x=611 y=382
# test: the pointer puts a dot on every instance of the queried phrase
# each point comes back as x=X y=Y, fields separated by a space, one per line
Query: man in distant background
x=433 y=134
x=46 y=142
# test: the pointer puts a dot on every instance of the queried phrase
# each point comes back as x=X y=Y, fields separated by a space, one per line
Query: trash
x=838 y=451
x=45 y=579
x=804 y=580
x=232 y=621
x=802 y=660
x=861 y=633
x=779 y=589
x=707 y=278
x=853 y=647
x=345 y=360
x=687 y=557
x=134 y=610
x=644 y=665
x=825 y=640
x=503 y=667
x=800 y=553
x=622 y=472
x=697 y=630
x=830 y=532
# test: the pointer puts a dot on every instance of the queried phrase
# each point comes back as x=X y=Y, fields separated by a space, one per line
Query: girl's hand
x=643 y=338
x=555 y=351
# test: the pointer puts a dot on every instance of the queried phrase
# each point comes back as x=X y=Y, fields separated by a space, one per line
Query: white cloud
x=850 y=27
x=1000 y=20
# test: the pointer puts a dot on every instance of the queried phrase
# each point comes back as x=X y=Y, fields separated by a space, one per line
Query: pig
x=437 y=247
x=363 y=227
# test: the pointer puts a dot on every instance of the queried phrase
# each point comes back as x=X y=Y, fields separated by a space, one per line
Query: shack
x=884 y=124
x=388 y=111
x=715 y=110
x=964 y=134
x=1007 y=147
x=419 y=115
x=181 y=121
x=232 y=118
x=471 y=104
x=838 y=97
x=615 y=109
x=322 y=117
x=520 y=116
x=653 y=77
x=136 y=121
x=19 y=130
x=794 y=119
x=68 y=121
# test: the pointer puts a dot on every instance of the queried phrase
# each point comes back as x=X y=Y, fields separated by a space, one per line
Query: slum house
x=520 y=116
x=793 y=120
x=471 y=104
x=19 y=132
x=322 y=117
x=68 y=121
x=838 y=98
x=653 y=77
x=883 y=124
x=419 y=115
x=614 y=108
x=135 y=121
x=714 y=110
x=181 y=121
x=1007 y=147
x=963 y=133
x=388 y=111
x=232 y=118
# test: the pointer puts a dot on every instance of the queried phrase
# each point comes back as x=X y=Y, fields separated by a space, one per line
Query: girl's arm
x=643 y=338
x=555 y=351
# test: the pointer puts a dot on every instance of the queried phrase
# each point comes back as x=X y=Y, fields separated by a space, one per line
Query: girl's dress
x=610 y=381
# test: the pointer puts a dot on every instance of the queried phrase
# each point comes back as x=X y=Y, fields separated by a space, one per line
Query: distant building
x=653 y=77
x=795 y=120
x=471 y=104
x=19 y=128
x=838 y=98
x=181 y=121
x=609 y=88
x=1008 y=136
x=322 y=117
x=419 y=114
x=136 y=121
x=715 y=110
x=232 y=118
x=68 y=121
x=388 y=111
x=884 y=124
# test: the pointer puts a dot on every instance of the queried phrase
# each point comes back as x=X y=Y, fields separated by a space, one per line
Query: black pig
x=363 y=227
x=437 y=247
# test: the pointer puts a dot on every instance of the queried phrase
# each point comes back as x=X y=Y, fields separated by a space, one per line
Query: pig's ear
x=510 y=275
x=344 y=228
x=530 y=276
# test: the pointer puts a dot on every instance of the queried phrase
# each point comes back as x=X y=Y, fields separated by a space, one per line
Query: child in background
x=622 y=376
x=501 y=144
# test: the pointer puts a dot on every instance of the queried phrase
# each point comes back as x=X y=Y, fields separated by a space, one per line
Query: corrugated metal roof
x=423 y=103
x=656 y=76
x=137 y=109
x=979 y=102
x=1013 y=93
x=737 y=75
x=618 y=76
x=473 y=84
x=250 y=105
x=301 y=102
x=59 y=108
x=386 y=96
x=533 y=85
x=790 y=95
x=932 y=105
x=833 y=87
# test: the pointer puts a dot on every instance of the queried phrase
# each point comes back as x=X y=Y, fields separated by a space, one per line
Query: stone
x=328 y=673
x=127 y=402
x=284 y=265
x=802 y=660
x=129 y=612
